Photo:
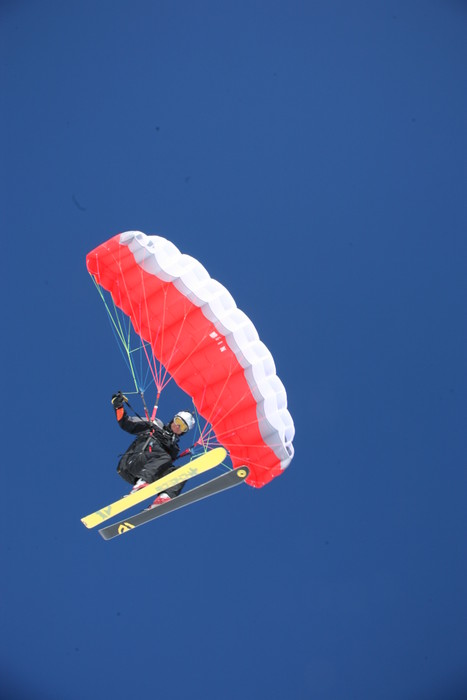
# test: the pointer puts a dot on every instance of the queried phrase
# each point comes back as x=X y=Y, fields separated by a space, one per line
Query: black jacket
x=149 y=434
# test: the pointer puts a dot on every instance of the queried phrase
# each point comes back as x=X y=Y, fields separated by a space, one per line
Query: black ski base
x=220 y=483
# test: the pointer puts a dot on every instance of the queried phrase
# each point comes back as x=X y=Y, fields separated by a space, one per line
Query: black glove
x=119 y=399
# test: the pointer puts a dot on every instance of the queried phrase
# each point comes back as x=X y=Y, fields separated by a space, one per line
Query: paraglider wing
x=207 y=344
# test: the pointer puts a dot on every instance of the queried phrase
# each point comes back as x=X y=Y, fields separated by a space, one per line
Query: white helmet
x=187 y=419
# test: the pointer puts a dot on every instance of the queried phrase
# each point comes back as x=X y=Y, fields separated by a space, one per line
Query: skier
x=151 y=455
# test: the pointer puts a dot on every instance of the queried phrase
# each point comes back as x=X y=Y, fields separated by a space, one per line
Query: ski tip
x=242 y=472
x=219 y=453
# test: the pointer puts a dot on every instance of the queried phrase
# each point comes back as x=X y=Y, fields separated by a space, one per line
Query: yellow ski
x=200 y=464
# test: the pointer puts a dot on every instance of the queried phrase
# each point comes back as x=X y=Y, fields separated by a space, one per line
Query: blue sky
x=312 y=155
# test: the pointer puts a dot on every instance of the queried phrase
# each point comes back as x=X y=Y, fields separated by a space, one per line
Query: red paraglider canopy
x=209 y=347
